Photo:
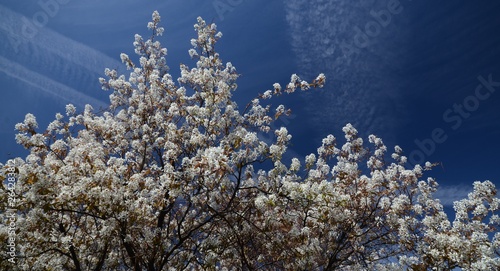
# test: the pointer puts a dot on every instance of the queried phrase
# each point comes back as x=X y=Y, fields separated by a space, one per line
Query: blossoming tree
x=174 y=176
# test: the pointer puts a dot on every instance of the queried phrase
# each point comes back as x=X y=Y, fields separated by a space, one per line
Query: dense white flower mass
x=174 y=176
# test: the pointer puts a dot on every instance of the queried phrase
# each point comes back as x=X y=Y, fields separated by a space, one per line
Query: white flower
x=159 y=32
x=280 y=109
x=304 y=85
x=250 y=138
x=30 y=121
x=320 y=80
x=260 y=202
x=274 y=149
x=310 y=159
x=277 y=87
x=193 y=53
x=328 y=140
x=385 y=203
x=70 y=109
x=156 y=16
x=267 y=95
x=295 y=166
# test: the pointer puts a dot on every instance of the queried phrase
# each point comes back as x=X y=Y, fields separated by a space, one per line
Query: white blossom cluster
x=172 y=176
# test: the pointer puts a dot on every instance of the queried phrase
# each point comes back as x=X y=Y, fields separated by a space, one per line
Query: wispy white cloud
x=362 y=86
x=53 y=42
x=51 y=62
x=48 y=85
x=451 y=193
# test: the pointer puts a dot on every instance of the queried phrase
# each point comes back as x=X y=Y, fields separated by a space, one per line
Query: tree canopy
x=175 y=176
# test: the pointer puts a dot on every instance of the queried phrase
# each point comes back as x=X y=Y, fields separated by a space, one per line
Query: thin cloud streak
x=50 y=61
x=448 y=194
x=48 y=85
x=71 y=50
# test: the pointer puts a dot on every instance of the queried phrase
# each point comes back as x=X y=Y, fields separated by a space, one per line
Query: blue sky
x=400 y=70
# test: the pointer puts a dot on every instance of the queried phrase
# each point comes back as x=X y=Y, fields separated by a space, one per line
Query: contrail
x=48 y=85
x=56 y=43
x=44 y=54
